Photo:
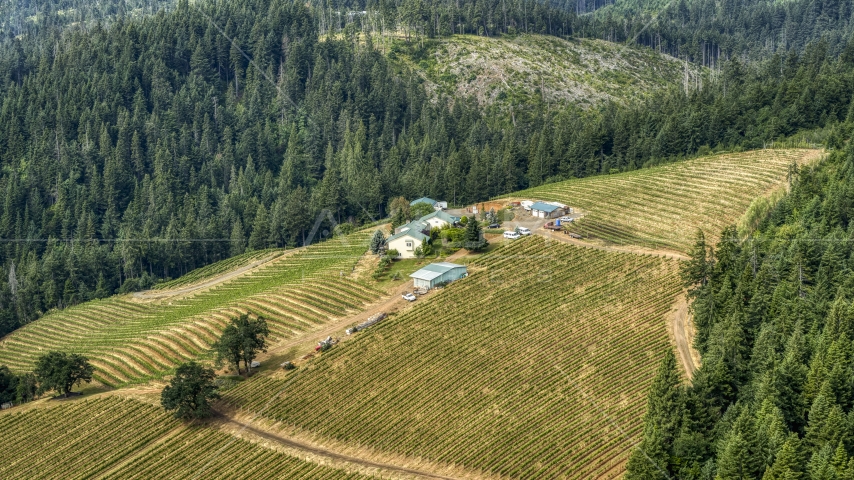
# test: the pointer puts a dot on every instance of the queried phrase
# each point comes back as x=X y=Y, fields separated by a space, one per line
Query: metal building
x=438 y=274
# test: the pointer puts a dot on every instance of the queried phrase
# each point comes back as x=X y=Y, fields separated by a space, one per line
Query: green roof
x=417 y=235
x=441 y=215
x=423 y=200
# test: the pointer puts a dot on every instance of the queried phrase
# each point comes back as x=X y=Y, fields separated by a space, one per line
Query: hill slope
x=136 y=337
x=123 y=438
x=539 y=69
x=503 y=371
x=662 y=207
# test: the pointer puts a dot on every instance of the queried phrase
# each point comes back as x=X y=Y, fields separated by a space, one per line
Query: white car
x=255 y=364
x=511 y=235
x=566 y=219
x=408 y=297
x=524 y=231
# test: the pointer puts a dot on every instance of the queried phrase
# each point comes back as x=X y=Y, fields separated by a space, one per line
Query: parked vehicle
x=566 y=219
x=511 y=235
x=326 y=344
x=494 y=225
x=409 y=297
x=255 y=364
x=523 y=231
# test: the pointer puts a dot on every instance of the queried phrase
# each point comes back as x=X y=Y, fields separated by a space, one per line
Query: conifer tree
x=662 y=424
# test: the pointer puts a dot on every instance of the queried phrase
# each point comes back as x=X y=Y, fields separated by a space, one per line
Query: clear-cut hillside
x=536 y=68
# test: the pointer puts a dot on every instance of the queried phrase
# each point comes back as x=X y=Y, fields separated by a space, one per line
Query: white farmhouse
x=405 y=242
x=439 y=219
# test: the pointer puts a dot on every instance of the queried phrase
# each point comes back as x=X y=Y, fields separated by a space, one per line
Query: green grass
x=131 y=340
x=473 y=376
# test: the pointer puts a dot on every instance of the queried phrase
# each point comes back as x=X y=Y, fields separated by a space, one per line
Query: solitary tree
x=228 y=347
x=377 y=242
x=60 y=371
x=242 y=339
x=190 y=392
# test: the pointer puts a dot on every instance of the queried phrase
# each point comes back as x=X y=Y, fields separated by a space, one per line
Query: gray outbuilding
x=438 y=274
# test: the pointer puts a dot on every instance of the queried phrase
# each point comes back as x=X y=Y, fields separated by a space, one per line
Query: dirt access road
x=401 y=471
x=224 y=277
x=679 y=326
x=390 y=304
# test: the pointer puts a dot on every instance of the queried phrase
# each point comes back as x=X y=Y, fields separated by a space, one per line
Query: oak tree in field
x=228 y=347
x=190 y=392
x=242 y=340
x=60 y=371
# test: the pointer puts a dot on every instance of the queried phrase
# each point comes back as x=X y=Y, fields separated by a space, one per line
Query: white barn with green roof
x=438 y=274
x=406 y=242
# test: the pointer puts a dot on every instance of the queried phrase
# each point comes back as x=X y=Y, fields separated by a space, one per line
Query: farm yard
x=498 y=372
x=130 y=342
x=133 y=439
x=661 y=207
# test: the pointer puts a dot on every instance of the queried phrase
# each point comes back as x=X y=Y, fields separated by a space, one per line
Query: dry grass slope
x=471 y=377
x=662 y=207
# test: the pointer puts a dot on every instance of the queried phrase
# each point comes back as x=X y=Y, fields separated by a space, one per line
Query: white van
x=524 y=231
x=511 y=235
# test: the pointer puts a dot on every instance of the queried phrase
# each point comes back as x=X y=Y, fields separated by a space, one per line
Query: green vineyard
x=201 y=274
x=532 y=367
x=662 y=207
x=131 y=338
x=123 y=438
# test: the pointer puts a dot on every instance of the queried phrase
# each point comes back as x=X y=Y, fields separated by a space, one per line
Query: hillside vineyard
x=498 y=372
x=131 y=338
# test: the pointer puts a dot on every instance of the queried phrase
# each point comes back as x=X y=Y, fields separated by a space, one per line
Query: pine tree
x=474 y=239
x=377 y=242
x=789 y=462
x=260 y=230
x=662 y=423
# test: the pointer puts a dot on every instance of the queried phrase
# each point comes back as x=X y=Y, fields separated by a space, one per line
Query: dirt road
x=610 y=248
x=682 y=330
x=327 y=453
x=679 y=324
x=158 y=294
x=390 y=304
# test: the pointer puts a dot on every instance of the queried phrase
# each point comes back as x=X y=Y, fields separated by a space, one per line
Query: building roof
x=416 y=225
x=434 y=270
x=544 y=207
x=423 y=200
x=441 y=216
x=413 y=233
